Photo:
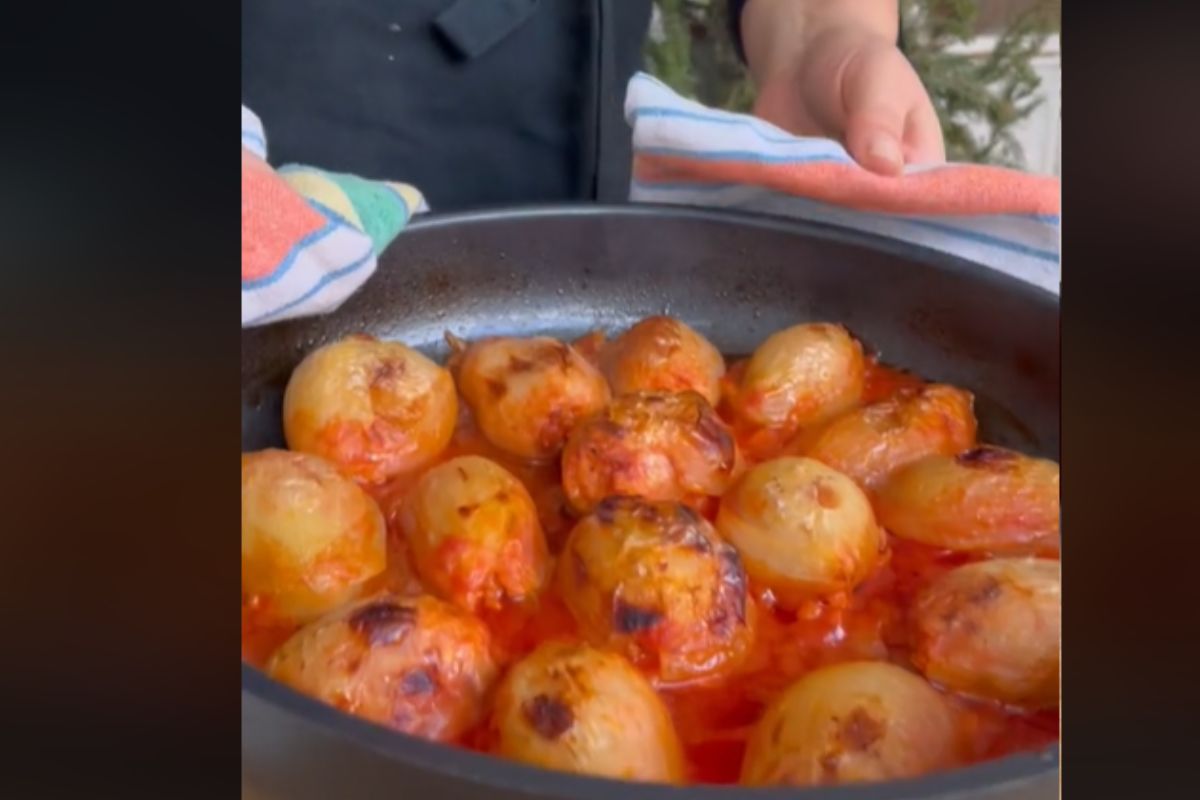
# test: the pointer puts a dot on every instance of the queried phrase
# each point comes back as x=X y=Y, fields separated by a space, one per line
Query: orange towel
x=687 y=154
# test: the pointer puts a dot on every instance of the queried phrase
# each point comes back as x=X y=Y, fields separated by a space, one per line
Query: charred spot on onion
x=987 y=458
x=631 y=619
x=418 y=682
x=383 y=622
x=549 y=716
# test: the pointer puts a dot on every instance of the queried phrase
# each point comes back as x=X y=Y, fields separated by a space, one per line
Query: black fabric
x=474 y=26
x=518 y=104
x=622 y=32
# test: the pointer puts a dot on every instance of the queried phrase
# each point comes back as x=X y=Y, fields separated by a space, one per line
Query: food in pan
x=991 y=629
x=848 y=723
x=800 y=376
x=575 y=708
x=373 y=408
x=869 y=442
x=656 y=445
x=655 y=582
x=802 y=529
x=474 y=536
x=527 y=394
x=616 y=557
x=311 y=537
x=415 y=664
x=987 y=499
x=664 y=355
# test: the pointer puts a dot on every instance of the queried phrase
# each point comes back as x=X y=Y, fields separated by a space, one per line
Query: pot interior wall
x=736 y=281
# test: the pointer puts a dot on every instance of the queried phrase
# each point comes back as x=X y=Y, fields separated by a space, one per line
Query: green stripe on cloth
x=382 y=211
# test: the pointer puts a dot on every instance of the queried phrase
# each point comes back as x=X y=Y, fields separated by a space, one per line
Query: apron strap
x=612 y=132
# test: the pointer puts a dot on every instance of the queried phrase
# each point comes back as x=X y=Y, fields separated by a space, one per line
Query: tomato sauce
x=881 y=382
x=714 y=719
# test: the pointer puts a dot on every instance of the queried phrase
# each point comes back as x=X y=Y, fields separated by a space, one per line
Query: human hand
x=846 y=81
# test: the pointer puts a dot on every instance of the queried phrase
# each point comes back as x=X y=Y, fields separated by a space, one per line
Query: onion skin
x=312 y=539
x=655 y=582
x=417 y=665
x=868 y=443
x=992 y=629
x=662 y=354
x=527 y=395
x=986 y=500
x=801 y=376
x=654 y=445
x=849 y=723
x=474 y=535
x=373 y=408
x=802 y=529
x=574 y=708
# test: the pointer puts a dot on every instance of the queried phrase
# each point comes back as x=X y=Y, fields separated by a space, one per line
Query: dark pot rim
x=942 y=261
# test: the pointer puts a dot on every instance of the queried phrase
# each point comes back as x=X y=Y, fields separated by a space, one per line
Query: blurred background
x=991 y=66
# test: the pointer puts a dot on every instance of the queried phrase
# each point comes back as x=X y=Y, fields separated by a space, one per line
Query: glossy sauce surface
x=714 y=719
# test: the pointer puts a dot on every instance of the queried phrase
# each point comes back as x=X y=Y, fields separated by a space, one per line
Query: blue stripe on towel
x=325 y=280
x=290 y=259
x=742 y=155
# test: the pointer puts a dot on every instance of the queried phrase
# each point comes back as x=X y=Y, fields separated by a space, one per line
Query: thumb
x=875 y=114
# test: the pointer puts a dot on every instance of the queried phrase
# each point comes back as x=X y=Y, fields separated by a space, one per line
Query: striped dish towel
x=310 y=237
x=686 y=153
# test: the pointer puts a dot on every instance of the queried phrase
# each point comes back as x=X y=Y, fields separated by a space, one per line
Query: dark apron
x=476 y=102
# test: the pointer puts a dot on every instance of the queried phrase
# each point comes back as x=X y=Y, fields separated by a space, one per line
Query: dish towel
x=686 y=153
x=310 y=237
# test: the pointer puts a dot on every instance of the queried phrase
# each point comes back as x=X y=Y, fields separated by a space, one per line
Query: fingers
x=889 y=118
x=862 y=90
x=923 y=140
x=875 y=116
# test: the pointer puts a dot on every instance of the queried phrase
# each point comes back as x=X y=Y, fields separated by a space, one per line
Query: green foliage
x=994 y=91
x=696 y=58
x=670 y=60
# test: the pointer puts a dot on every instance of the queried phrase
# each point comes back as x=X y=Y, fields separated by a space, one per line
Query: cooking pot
x=736 y=278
